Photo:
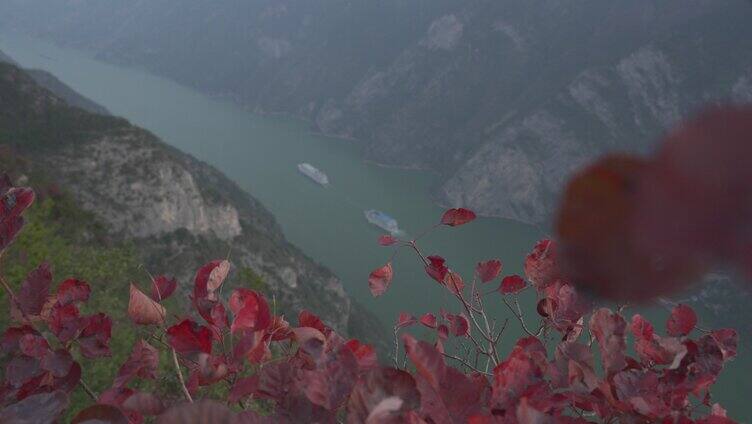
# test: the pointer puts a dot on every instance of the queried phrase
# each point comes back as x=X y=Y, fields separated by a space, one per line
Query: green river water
x=261 y=153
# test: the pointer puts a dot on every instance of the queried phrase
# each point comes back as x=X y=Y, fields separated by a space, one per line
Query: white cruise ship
x=313 y=173
x=383 y=221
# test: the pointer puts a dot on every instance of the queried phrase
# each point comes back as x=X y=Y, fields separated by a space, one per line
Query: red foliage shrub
x=309 y=373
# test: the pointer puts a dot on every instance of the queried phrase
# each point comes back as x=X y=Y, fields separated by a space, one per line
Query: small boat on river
x=383 y=221
x=313 y=173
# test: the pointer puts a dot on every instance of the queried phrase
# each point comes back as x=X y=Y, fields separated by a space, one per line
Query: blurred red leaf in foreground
x=633 y=228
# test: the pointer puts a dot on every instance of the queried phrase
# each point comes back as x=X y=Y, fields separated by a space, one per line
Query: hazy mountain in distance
x=177 y=210
x=504 y=98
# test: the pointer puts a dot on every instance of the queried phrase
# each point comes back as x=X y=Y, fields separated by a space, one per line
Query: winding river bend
x=261 y=154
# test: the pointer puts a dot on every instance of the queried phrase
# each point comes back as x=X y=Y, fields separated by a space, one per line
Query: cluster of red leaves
x=632 y=228
x=666 y=381
x=39 y=348
x=309 y=373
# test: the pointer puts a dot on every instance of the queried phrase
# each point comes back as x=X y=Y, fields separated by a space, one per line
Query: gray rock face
x=444 y=33
x=140 y=192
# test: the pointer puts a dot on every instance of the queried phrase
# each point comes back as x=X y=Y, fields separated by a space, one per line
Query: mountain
x=504 y=98
x=175 y=211
x=5 y=58
x=50 y=82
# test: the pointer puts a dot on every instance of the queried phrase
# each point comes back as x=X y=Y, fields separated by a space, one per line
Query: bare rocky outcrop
x=140 y=191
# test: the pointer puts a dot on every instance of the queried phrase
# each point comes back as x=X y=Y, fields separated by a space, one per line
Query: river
x=261 y=153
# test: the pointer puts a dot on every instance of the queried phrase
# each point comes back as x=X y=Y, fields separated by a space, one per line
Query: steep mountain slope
x=503 y=98
x=50 y=82
x=177 y=211
x=5 y=58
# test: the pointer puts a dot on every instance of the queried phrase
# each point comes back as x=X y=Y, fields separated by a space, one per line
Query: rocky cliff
x=178 y=211
x=503 y=98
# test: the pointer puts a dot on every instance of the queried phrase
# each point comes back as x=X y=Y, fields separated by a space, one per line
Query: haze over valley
x=165 y=134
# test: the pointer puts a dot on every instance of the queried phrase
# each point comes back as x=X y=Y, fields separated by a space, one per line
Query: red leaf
x=488 y=270
x=100 y=414
x=682 y=320
x=694 y=204
x=541 y=267
x=429 y=363
x=307 y=319
x=458 y=324
x=217 y=276
x=72 y=290
x=200 y=412
x=727 y=340
x=250 y=309
x=218 y=316
x=35 y=290
x=381 y=395
x=142 y=363
x=21 y=369
x=144 y=403
x=163 y=287
x=511 y=284
x=38 y=408
x=13 y=202
x=189 y=337
x=12 y=336
x=365 y=354
x=522 y=369
x=144 y=311
x=253 y=346
x=33 y=345
x=458 y=216
x=208 y=279
x=608 y=329
x=95 y=337
x=65 y=322
x=436 y=268
x=405 y=320
x=279 y=329
x=454 y=283
x=387 y=240
x=58 y=363
x=442 y=331
x=210 y=369
x=654 y=349
x=310 y=341
x=429 y=320
x=243 y=388
x=380 y=279
x=330 y=384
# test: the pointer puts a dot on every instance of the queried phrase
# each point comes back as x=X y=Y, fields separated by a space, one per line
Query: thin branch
x=518 y=316
x=180 y=376
x=465 y=363
x=396 y=348
x=88 y=390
